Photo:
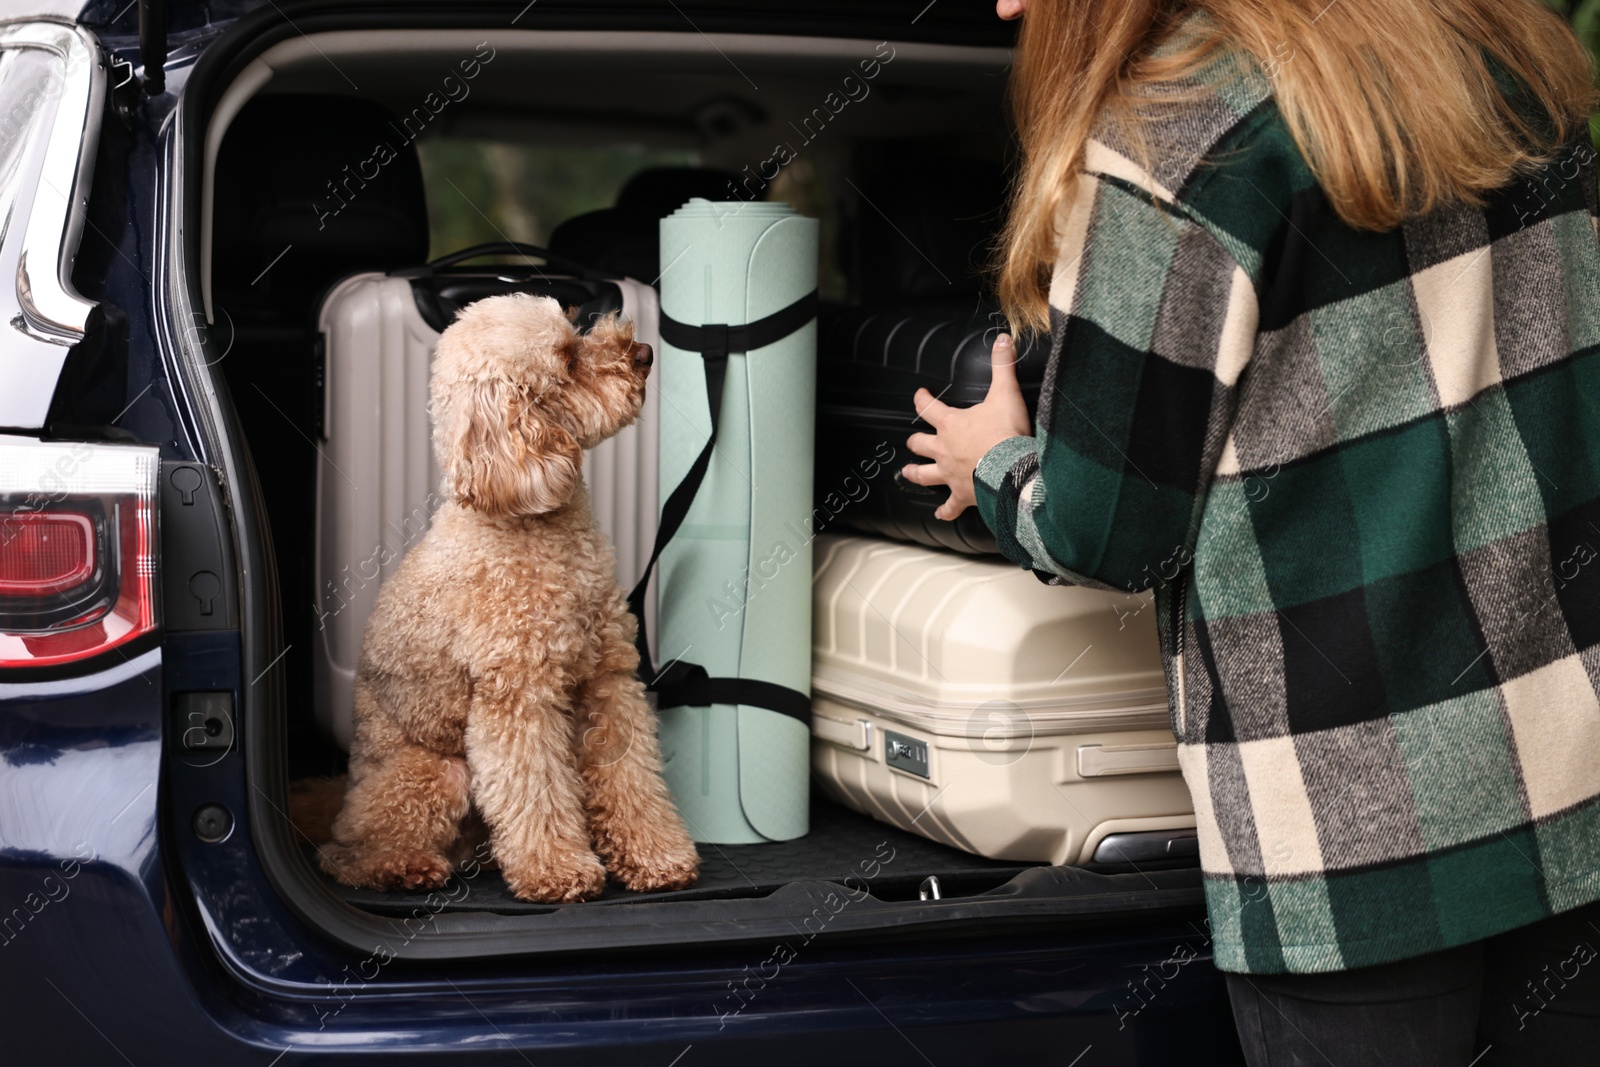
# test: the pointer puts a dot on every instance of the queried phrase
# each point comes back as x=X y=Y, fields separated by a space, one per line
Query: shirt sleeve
x=1152 y=323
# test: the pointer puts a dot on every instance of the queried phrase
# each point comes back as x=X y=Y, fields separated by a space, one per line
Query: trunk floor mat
x=842 y=843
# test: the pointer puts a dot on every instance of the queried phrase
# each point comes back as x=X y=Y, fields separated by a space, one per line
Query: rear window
x=485 y=190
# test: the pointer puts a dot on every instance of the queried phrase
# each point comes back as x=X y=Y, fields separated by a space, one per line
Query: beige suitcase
x=962 y=699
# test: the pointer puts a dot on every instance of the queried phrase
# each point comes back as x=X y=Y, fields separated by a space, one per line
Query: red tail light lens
x=45 y=552
x=77 y=549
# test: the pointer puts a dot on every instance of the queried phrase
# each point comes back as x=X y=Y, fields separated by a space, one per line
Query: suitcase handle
x=518 y=248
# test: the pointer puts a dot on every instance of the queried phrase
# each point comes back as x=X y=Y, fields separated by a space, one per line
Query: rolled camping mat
x=735 y=580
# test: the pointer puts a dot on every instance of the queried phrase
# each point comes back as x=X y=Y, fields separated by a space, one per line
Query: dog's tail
x=313 y=805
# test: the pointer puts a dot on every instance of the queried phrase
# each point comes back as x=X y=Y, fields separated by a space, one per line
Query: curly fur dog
x=497 y=670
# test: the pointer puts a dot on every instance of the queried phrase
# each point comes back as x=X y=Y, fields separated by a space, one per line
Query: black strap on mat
x=687 y=684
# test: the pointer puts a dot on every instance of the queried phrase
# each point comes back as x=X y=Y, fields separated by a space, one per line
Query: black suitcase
x=870 y=362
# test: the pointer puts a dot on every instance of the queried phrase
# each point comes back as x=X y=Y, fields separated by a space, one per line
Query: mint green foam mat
x=735 y=581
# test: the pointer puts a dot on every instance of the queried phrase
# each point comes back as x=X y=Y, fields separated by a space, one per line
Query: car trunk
x=600 y=91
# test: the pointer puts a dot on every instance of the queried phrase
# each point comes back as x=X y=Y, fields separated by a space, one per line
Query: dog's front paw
x=679 y=872
x=648 y=862
x=373 y=869
x=564 y=880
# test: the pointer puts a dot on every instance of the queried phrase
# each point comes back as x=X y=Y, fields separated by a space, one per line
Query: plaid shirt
x=1361 y=472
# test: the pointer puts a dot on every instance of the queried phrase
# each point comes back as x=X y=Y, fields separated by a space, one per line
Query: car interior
x=580 y=142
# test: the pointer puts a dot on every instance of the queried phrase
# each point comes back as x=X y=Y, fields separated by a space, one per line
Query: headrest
x=612 y=239
x=332 y=176
x=926 y=227
x=627 y=238
x=659 y=191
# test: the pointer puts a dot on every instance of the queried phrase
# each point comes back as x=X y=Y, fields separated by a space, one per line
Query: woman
x=1323 y=285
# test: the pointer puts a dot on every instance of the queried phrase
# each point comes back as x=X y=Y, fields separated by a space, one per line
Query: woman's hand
x=1010 y=9
x=963 y=435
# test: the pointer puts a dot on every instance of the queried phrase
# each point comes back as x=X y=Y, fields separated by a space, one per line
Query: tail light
x=77 y=549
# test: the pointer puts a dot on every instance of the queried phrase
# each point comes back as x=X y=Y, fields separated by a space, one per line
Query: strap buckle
x=714 y=340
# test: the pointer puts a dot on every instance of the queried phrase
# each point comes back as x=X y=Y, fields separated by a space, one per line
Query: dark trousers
x=1526 y=997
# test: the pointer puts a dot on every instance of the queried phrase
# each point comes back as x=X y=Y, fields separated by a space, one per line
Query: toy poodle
x=497 y=670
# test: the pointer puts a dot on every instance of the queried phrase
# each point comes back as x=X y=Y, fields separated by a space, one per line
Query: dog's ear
x=503 y=455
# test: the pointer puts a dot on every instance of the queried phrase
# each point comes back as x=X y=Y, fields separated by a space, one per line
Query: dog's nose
x=643 y=354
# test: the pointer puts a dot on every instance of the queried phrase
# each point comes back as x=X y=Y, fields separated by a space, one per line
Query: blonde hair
x=1394 y=103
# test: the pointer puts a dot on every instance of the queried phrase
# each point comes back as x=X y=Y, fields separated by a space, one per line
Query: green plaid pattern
x=1361 y=472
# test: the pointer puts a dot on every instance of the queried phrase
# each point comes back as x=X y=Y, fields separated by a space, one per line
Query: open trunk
x=551 y=123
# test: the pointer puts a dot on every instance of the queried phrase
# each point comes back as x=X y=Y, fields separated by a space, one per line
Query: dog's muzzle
x=643 y=354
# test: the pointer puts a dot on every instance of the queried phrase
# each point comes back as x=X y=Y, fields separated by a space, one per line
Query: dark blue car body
x=127 y=934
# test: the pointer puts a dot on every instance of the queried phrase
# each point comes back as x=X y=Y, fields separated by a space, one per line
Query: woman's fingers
x=930 y=408
x=952 y=508
x=1005 y=398
x=1003 y=366
x=959 y=500
x=925 y=444
x=962 y=435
